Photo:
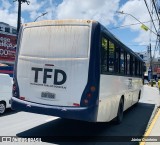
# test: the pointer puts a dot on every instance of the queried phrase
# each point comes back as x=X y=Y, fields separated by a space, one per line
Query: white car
x=5 y=92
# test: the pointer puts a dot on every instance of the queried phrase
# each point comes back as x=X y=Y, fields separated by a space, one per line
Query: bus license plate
x=48 y=95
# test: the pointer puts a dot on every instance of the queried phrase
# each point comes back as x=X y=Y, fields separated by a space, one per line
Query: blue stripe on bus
x=78 y=113
x=94 y=70
x=16 y=62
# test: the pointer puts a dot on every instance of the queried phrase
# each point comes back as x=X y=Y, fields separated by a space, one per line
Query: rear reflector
x=14 y=87
x=22 y=98
x=89 y=95
x=86 y=101
x=93 y=88
x=76 y=104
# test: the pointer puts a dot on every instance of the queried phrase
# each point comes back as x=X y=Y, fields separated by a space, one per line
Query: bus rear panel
x=52 y=70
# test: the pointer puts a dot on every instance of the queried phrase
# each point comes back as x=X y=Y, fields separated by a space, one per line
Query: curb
x=151 y=125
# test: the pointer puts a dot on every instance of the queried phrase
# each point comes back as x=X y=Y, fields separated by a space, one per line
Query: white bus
x=75 y=69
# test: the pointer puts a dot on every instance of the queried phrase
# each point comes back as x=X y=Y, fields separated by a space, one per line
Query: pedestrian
x=159 y=86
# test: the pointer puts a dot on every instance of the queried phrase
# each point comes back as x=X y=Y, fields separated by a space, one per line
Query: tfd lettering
x=48 y=76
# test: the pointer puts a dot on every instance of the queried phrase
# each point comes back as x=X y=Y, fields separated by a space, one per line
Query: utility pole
x=150 y=47
x=151 y=60
x=19 y=13
x=158 y=9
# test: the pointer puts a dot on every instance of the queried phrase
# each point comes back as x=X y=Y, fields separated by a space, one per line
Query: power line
x=158 y=37
x=138 y=45
x=150 y=16
x=155 y=9
x=156 y=46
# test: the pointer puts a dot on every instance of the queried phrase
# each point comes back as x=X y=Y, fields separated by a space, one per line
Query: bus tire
x=139 y=96
x=119 y=117
x=2 y=107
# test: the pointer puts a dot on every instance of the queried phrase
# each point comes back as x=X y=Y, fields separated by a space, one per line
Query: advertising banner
x=7 y=47
x=158 y=70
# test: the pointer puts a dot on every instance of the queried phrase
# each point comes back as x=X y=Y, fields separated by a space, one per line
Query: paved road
x=135 y=120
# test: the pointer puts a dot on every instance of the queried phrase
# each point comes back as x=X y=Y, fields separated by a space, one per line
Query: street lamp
x=40 y=16
x=121 y=12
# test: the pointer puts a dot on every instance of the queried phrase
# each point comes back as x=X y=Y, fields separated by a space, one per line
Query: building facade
x=155 y=63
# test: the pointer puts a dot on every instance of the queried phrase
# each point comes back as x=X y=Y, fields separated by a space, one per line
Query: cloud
x=34 y=5
x=9 y=11
x=33 y=9
x=5 y=4
x=100 y=10
x=6 y=14
x=9 y=18
x=137 y=9
x=48 y=7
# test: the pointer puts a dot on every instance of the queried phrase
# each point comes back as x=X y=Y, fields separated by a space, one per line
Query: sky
x=123 y=26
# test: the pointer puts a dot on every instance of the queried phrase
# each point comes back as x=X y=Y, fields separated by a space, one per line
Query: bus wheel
x=2 y=107
x=119 y=117
x=139 y=97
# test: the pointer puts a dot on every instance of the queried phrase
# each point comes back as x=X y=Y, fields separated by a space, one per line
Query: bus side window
x=141 y=69
x=133 y=65
x=137 y=67
x=125 y=62
x=104 y=49
x=122 y=62
x=111 y=56
x=128 y=64
x=117 y=59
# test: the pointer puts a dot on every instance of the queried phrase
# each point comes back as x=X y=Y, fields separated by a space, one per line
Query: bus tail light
x=14 y=87
x=22 y=98
x=76 y=104
x=89 y=95
x=15 y=90
x=86 y=101
x=92 y=88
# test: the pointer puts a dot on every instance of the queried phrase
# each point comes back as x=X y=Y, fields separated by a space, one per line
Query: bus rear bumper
x=77 y=113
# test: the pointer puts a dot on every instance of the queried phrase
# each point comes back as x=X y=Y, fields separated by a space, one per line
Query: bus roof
x=59 y=22
x=83 y=22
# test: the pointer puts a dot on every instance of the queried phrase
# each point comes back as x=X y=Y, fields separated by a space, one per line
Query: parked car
x=5 y=92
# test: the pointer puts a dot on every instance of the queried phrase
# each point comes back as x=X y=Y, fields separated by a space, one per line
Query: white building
x=7 y=29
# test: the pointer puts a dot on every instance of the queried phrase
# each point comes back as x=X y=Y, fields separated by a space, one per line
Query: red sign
x=158 y=70
x=7 y=47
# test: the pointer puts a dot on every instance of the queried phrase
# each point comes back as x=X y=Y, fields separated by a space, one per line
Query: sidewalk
x=153 y=129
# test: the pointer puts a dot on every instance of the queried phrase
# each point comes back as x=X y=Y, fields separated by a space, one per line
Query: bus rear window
x=56 y=41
